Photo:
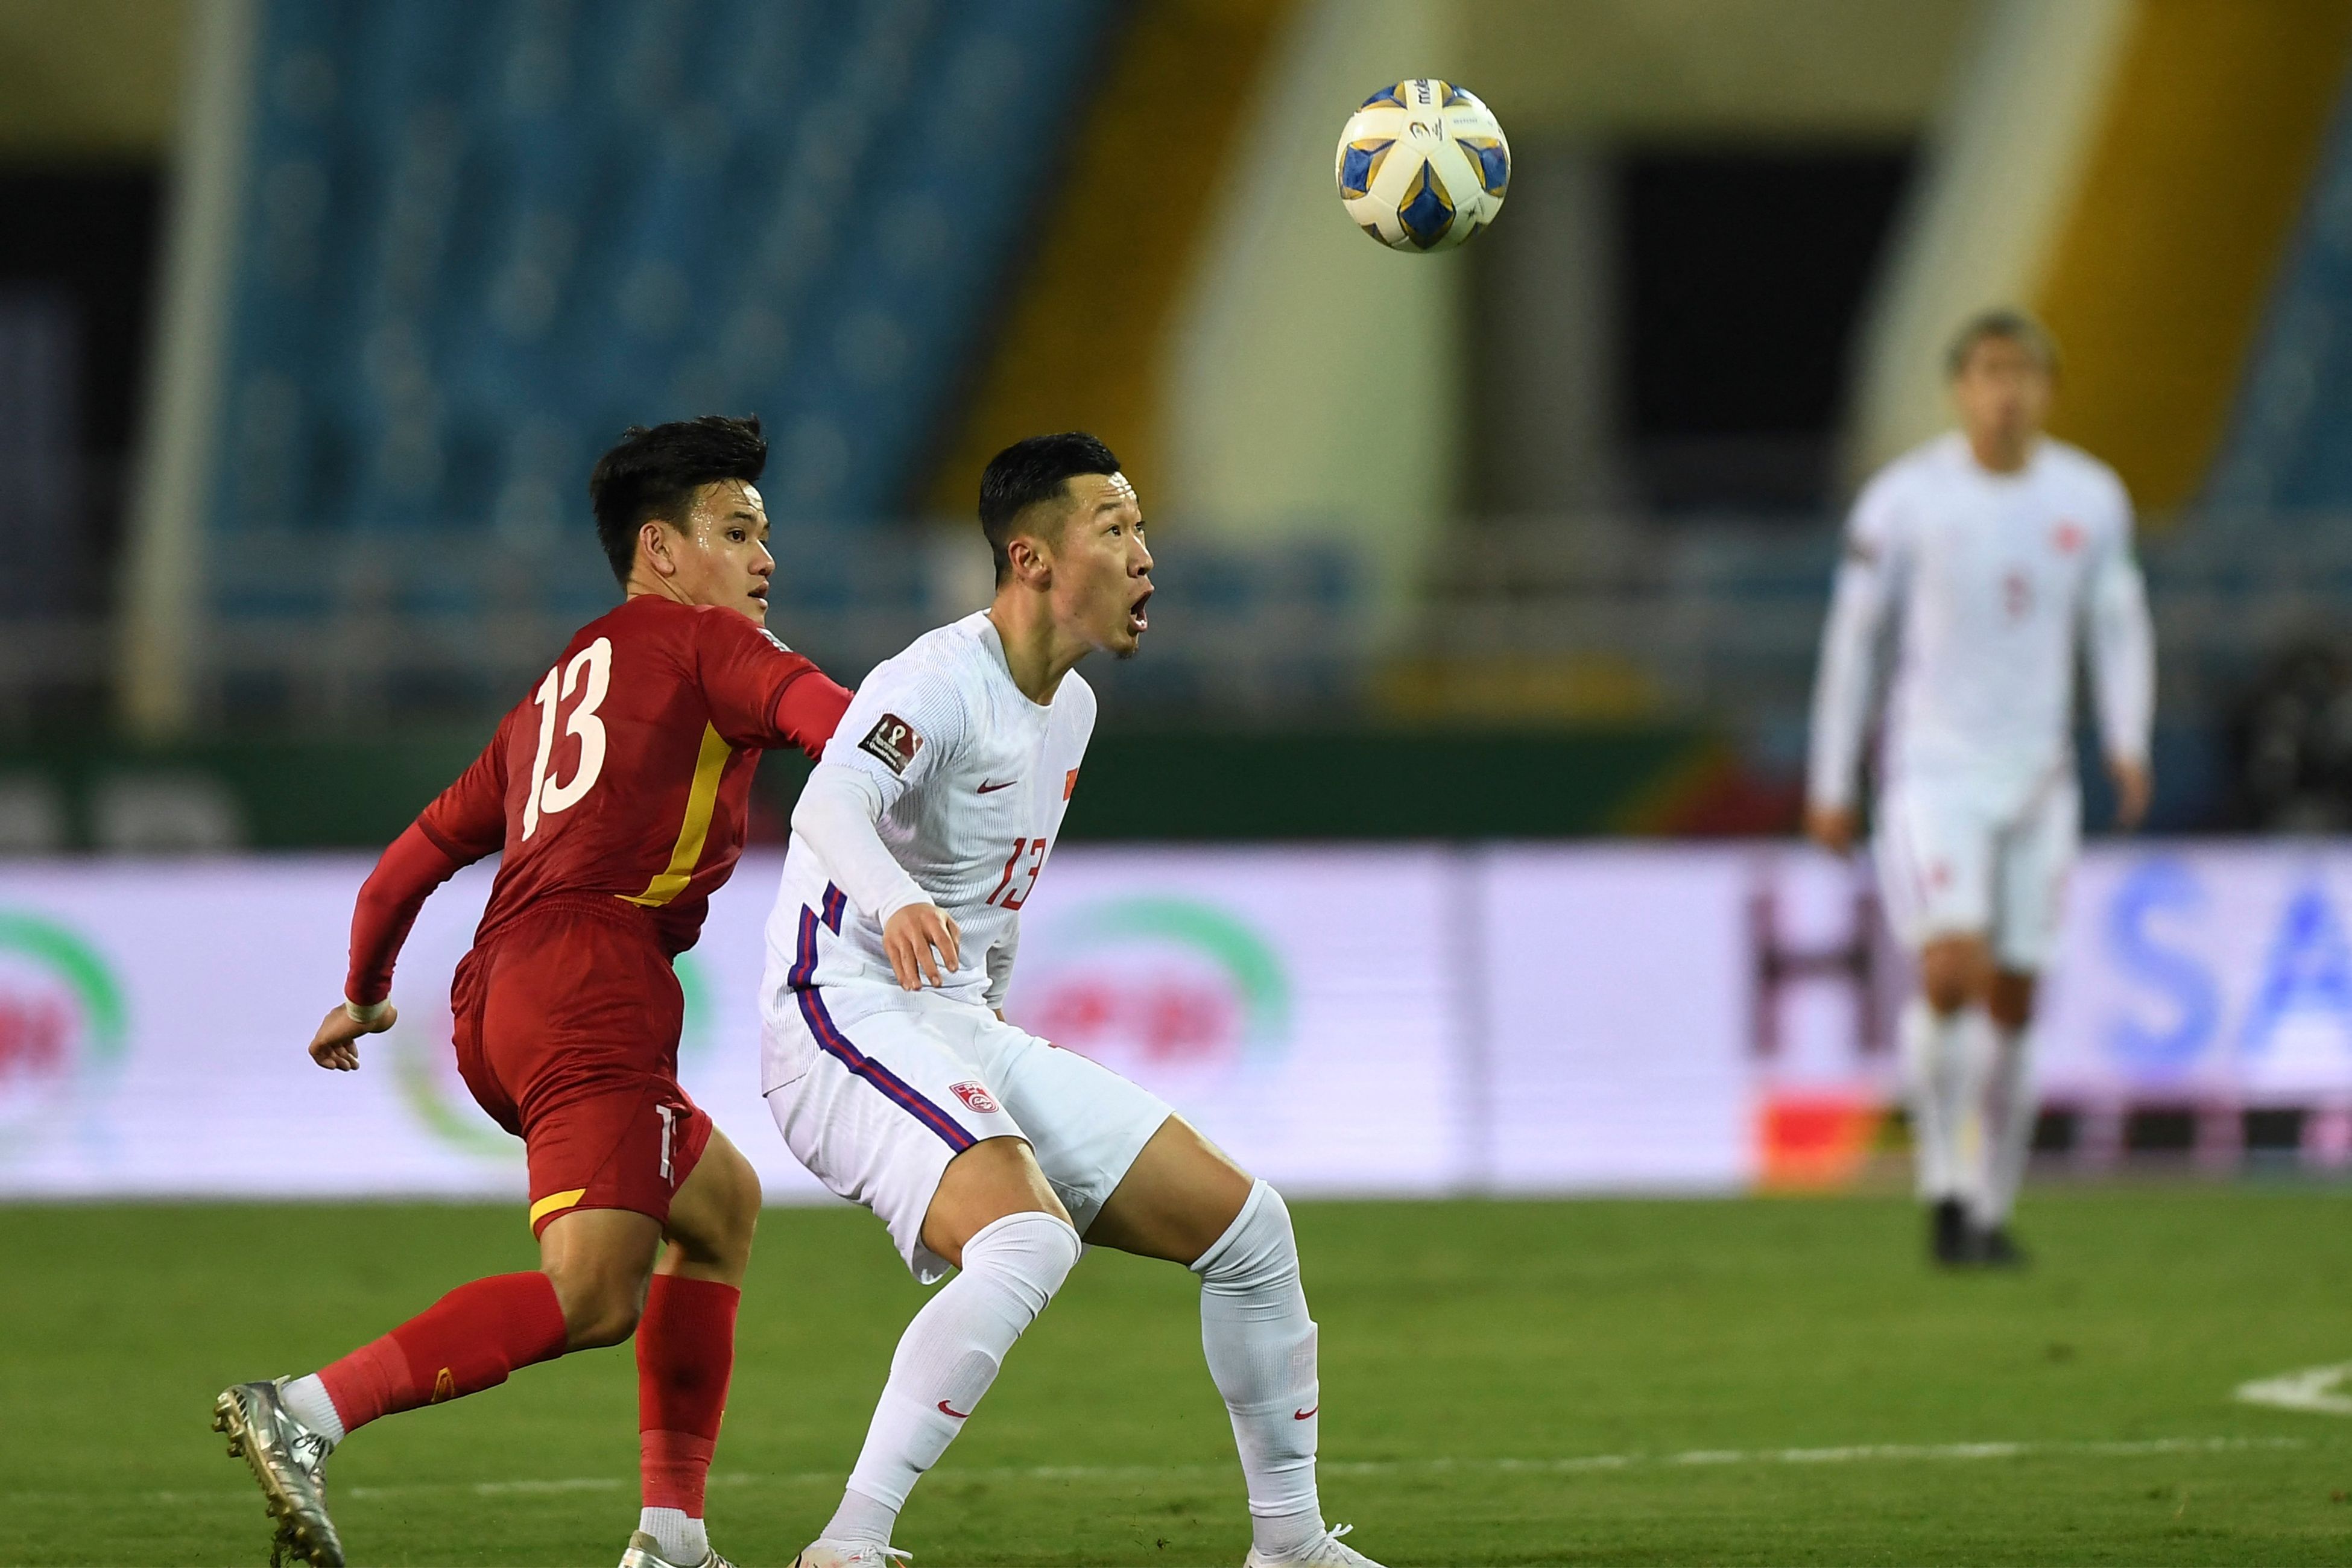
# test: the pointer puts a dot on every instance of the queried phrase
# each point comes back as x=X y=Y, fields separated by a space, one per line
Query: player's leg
x=998 y=1222
x=1184 y=1201
x=2011 y=1110
x=2031 y=873
x=1139 y=1178
x=885 y=1113
x=686 y=1348
x=1934 y=864
x=469 y=1340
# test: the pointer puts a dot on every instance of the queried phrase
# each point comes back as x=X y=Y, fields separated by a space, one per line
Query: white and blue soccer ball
x=1422 y=166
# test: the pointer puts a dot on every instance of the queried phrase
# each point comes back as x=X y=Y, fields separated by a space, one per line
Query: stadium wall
x=1492 y=1019
x=2132 y=170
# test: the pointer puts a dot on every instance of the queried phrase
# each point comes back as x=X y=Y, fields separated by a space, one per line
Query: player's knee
x=735 y=1209
x=1258 y=1251
x=599 y=1308
x=2010 y=1000
x=1951 y=973
x=1030 y=1253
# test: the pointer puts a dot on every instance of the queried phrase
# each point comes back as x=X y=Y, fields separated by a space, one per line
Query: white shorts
x=1955 y=860
x=879 y=1089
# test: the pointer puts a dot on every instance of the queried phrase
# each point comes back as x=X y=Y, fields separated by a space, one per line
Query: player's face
x=1102 y=573
x=722 y=558
x=2002 y=393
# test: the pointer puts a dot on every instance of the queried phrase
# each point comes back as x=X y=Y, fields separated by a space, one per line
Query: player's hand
x=336 y=1045
x=912 y=937
x=1831 y=826
x=2133 y=788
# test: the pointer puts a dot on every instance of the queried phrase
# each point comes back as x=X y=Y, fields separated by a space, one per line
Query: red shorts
x=567 y=1026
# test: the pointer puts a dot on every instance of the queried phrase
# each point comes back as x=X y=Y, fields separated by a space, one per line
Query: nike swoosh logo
x=1303 y=1414
x=992 y=788
x=945 y=1409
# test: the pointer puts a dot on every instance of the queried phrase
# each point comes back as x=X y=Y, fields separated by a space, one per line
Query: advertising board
x=1393 y=1020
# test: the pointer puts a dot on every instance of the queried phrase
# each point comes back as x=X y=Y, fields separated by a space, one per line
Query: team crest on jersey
x=2067 y=537
x=892 y=742
x=975 y=1096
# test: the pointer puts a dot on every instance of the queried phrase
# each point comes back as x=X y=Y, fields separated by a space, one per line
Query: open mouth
x=1137 y=620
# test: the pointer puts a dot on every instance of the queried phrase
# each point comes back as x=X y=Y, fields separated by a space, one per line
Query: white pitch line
x=2314 y=1389
x=1859 y=1453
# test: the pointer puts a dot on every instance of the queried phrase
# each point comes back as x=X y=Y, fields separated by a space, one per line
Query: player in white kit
x=1998 y=551
x=895 y=1079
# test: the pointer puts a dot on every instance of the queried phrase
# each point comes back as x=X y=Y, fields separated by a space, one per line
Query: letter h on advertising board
x=1864 y=960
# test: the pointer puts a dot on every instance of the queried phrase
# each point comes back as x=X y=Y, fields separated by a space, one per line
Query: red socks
x=686 y=1351
x=473 y=1337
x=467 y=1342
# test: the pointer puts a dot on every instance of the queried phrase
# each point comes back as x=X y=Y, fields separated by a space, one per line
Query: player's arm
x=900 y=731
x=467 y=822
x=761 y=694
x=1862 y=594
x=2122 y=642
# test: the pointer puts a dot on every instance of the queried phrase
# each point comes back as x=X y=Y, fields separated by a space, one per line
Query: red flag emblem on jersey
x=892 y=742
x=2067 y=537
x=975 y=1096
x=1069 y=783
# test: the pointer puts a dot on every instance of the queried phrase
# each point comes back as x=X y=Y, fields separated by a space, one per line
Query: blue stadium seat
x=479 y=237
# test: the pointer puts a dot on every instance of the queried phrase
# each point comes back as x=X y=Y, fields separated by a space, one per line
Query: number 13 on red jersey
x=591 y=668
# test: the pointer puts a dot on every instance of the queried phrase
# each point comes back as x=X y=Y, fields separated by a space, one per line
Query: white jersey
x=1995 y=579
x=943 y=784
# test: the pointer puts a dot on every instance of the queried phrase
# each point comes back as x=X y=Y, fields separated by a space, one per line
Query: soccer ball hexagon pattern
x=1422 y=166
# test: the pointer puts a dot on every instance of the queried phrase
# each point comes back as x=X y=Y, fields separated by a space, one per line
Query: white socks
x=1945 y=1059
x=1261 y=1349
x=2009 y=1127
x=682 y=1540
x=306 y=1397
x=946 y=1360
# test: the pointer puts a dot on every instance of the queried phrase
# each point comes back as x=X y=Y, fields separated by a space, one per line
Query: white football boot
x=644 y=1552
x=1324 y=1551
x=823 y=1553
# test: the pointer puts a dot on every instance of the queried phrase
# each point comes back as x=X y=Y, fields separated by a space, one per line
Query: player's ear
x=654 y=545
x=1031 y=566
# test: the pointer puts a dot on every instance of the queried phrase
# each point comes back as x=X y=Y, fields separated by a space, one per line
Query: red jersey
x=625 y=773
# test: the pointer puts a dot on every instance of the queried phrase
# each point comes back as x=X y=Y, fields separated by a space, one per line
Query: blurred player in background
x=618 y=792
x=1997 y=549
x=895 y=1079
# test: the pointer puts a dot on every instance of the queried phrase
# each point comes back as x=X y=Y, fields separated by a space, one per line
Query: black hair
x=654 y=472
x=1028 y=472
x=2007 y=323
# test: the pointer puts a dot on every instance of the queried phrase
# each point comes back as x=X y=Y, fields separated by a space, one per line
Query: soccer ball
x=1422 y=166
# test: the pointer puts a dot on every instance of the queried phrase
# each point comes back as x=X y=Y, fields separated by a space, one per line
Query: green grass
x=1473 y=1354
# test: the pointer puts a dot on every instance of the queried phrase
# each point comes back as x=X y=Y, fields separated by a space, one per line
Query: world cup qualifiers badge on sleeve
x=892 y=742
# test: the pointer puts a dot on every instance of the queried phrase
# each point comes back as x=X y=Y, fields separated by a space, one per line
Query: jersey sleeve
x=466 y=822
x=904 y=728
x=1865 y=590
x=2122 y=643
x=760 y=693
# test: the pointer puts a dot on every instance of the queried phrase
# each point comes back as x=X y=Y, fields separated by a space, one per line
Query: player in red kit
x=618 y=792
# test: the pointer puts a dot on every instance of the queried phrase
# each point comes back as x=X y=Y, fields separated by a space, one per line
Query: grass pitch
x=1761 y=1381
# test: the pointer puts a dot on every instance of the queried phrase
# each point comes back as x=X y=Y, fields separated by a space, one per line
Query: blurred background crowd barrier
x=1534 y=1020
